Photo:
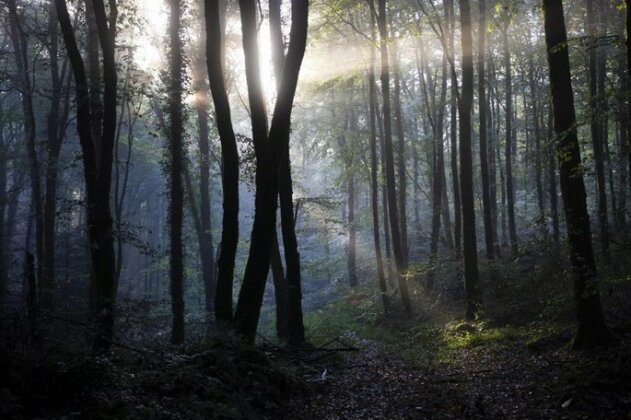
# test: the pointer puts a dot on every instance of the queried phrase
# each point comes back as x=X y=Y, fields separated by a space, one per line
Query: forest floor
x=514 y=363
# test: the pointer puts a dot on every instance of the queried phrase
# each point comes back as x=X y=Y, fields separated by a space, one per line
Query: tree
x=596 y=132
x=269 y=149
x=470 y=251
x=176 y=169
x=484 y=150
x=230 y=160
x=508 y=151
x=393 y=211
x=374 y=183
x=97 y=162
x=592 y=330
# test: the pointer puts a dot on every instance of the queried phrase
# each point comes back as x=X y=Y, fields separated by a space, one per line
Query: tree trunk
x=393 y=211
x=552 y=180
x=471 y=276
x=20 y=50
x=401 y=158
x=454 y=134
x=374 y=169
x=592 y=330
x=352 y=234
x=508 y=154
x=596 y=133
x=270 y=152
x=484 y=165
x=176 y=163
x=98 y=177
x=230 y=160
x=206 y=246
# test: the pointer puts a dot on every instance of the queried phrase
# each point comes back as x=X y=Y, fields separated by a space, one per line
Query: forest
x=325 y=209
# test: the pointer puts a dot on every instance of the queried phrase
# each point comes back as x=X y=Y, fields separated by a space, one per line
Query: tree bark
x=592 y=330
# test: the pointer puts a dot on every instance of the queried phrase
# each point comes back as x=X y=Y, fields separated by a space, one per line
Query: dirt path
x=506 y=380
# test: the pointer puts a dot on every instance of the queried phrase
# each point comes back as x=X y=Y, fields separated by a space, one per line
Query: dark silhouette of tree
x=470 y=251
x=230 y=160
x=97 y=163
x=176 y=170
x=393 y=211
x=592 y=330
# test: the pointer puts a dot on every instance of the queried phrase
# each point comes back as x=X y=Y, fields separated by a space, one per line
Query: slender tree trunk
x=484 y=165
x=401 y=158
x=20 y=50
x=98 y=177
x=451 y=22
x=352 y=234
x=4 y=194
x=270 y=152
x=293 y=61
x=471 y=276
x=374 y=169
x=596 y=133
x=592 y=330
x=534 y=94
x=202 y=105
x=230 y=160
x=176 y=163
x=508 y=155
x=552 y=180
x=393 y=211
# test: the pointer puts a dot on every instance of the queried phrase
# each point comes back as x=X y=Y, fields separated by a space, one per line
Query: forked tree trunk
x=97 y=171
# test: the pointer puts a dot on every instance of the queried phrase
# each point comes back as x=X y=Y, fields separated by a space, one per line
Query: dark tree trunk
x=401 y=158
x=393 y=211
x=484 y=165
x=230 y=160
x=628 y=43
x=552 y=180
x=176 y=166
x=270 y=152
x=508 y=154
x=278 y=273
x=206 y=246
x=20 y=51
x=374 y=169
x=437 y=122
x=534 y=93
x=596 y=133
x=453 y=132
x=471 y=276
x=4 y=264
x=352 y=233
x=592 y=330
x=97 y=172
